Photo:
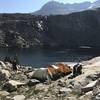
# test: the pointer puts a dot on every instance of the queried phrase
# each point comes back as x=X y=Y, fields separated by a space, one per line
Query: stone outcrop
x=19 y=86
x=89 y=87
x=86 y=96
x=19 y=97
x=33 y=82
x=4 y=93
x=4 y=74
x=12 y=85
x=21 y=30
x=97 y=97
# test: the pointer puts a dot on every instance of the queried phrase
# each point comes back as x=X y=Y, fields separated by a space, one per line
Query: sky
x=26 y=6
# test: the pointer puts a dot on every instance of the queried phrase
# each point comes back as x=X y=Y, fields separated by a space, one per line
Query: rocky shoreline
x=17 y=85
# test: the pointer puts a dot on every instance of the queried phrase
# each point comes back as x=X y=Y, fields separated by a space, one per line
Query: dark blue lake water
x=41 y=57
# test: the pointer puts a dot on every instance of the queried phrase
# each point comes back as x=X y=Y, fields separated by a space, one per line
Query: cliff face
x=73 y=30
x=76 y=29
x=21 y=30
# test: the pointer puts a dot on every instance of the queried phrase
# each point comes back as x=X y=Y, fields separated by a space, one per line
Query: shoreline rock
x=18 y=84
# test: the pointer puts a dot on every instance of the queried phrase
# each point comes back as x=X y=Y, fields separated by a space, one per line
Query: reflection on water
x=41 y=57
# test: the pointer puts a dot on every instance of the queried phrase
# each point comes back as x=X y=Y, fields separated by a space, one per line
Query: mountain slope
x=70 y=31
x=56 y=8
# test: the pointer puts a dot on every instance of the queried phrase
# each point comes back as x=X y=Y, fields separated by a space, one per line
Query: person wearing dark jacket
x=16 y=58
x=77 y=70
x=14 y=64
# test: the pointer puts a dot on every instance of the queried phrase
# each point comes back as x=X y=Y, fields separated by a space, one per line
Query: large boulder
x=4 y=74
x=97 y=97
x=96 y=89
x=2 y=64
x=76 y=86
x=30 y=74
x=4 y=93
x=8 y=65
x=65 y=90
x=86 y=96
x=12 y=85
x=93 y=77
x=33 y=82
x=61 y=82
x=8 y=98
x=89 y=87
x=19 y=97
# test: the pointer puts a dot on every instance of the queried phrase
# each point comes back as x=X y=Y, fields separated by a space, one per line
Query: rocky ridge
x=70 y=31
x=57 y=8
x=17 y=85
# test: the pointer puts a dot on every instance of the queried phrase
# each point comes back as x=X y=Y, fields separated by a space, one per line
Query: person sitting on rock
x=16 y=58
x=77 y=70
x=14 y=64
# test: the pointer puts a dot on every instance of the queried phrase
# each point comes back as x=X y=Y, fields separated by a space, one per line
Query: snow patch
x=39 y=23
x=90 y=7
